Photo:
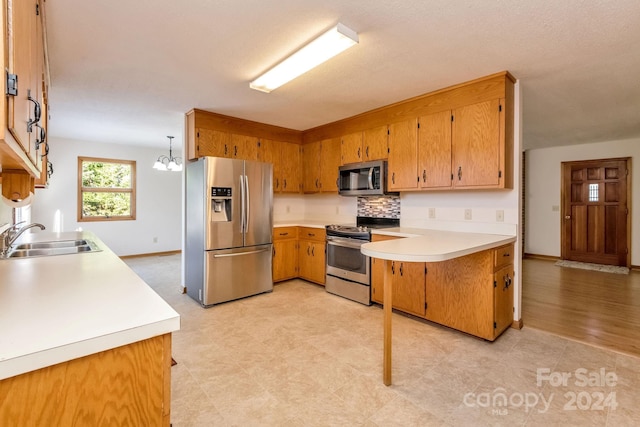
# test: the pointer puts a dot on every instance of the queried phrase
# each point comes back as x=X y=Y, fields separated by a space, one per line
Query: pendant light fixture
x=169 y=163
x=326 y=46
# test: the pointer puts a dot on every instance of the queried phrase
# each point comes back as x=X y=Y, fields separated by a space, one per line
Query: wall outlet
x=337 y=210
x=500 y=215
x=288 y=209
x=467 y=214
x=432 y=213
x=155 y=240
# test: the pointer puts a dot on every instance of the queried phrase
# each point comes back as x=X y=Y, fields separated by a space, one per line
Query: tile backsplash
x=379 y=207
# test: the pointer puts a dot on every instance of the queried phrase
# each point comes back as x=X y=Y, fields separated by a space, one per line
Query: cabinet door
x=290 y=165
x=351 y=148
x=329 y=164
x=212 y=143
x=311 y=259
x=434 y=150
x=459 y=294
x=409 y=287
x=285 y=259
x=311 y=167
x=476 y=145
x=22 y=21
x=403 y=155
x=375 y=143
x=503 y=299
x=377 y=271
x=244 y=147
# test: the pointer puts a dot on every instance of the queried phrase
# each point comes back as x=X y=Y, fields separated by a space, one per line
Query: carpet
x=596 y=267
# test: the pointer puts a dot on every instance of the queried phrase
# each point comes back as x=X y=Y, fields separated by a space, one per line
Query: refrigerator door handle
x=243 y=198
x=248 y=205
x=241 y=253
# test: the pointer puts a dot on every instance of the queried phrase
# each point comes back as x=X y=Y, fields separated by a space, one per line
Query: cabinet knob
x=424 y=176
x=567 y=217
x=459 y=173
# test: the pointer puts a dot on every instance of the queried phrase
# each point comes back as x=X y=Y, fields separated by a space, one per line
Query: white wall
x=158 y=205
x=543 y=184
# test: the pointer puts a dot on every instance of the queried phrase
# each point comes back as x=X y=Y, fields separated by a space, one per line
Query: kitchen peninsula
x=462 y=272
x=83 y=340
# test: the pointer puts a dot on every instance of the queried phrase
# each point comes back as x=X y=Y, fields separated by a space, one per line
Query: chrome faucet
x=11 y=234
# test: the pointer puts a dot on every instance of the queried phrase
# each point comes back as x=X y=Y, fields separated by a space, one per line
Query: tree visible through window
x=106 y=189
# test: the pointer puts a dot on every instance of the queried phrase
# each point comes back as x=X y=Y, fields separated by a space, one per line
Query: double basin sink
x=55 y=247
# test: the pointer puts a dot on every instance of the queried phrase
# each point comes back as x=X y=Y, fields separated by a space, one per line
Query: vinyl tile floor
x=299 y=356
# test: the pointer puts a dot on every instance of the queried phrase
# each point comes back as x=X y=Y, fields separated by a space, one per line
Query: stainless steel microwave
x=363 y=179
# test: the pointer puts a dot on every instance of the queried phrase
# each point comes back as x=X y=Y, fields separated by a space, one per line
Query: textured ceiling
x=126 y=71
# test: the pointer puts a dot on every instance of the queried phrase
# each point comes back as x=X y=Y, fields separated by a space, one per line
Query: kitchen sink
x=55 y=247
x=53 y=244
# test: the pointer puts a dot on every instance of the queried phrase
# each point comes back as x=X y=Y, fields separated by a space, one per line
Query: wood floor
x=602 y=309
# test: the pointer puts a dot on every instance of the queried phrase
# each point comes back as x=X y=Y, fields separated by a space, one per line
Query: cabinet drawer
x=309 y=233
x=284 y=233
x=503 y=256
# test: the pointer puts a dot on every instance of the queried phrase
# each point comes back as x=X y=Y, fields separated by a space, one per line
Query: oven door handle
x=346 y=243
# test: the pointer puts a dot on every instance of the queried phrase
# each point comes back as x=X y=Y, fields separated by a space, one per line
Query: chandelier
x=169 y=163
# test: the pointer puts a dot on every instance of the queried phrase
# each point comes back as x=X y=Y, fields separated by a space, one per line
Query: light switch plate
x=432 y=213
x=467 y=214
x=500 y=215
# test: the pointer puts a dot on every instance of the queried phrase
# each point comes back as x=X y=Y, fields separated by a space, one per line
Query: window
x=106 y=189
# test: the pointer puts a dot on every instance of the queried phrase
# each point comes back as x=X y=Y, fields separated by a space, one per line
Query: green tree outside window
x=106 y=189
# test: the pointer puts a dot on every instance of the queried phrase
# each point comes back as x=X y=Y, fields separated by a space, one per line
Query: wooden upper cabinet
x=243 y=147
x=403 y=153
x=477 y=145
x=311 y=167
x=290 y=167
x=375 y=145
x=329 y=164
x=351 y=148
x=434 y=148
x=211 y=143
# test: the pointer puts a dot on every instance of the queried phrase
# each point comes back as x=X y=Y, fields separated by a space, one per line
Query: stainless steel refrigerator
x=229 y=221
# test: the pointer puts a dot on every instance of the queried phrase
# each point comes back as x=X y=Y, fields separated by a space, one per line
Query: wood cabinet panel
x=93 y=390
x=243 y=147
x=403 y=154
x=351 y=148
x=476 y=145
x=212 y=143
x=329 y=164
x=375 y=143
x=312 y=259
x=377 y=271
x=285 y=259
x=311 y=167
x=434 y=148
x=290 y=163
x=409 y=287
x=503 y=298
x=460 y=294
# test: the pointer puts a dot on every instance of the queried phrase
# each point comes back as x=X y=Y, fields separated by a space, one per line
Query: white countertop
x=54 y=309
x=301 y=223
x=424 y=245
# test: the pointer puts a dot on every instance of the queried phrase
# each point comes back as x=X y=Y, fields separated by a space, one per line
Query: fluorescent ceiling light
x=328 y=45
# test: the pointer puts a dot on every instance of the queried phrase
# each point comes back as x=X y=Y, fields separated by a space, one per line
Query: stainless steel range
x=348 y=270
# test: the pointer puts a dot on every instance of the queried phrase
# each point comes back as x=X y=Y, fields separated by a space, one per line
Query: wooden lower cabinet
x=285 y=253
x=473 y=293
x=312 y=261
x=128 y=385
x=299 y=252
x=408 y=283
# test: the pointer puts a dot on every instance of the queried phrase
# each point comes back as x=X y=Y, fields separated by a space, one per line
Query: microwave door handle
x=370 y=178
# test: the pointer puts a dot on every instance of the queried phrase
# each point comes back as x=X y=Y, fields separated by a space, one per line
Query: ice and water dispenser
x=221 y=198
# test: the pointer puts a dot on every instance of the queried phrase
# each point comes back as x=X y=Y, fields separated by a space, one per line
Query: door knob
x=567 y=217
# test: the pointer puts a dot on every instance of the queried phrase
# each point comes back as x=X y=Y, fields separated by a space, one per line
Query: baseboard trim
x=635 y=267
x=517 y=324
x=541 y=257
x=167 y=253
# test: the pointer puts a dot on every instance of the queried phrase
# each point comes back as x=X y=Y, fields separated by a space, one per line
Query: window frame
x=82 y=190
